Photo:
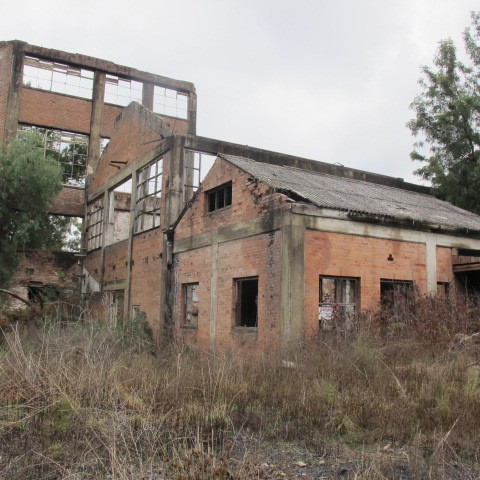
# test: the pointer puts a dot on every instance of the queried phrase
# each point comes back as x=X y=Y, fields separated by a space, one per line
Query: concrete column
x=292 y=285
x=13 y=99
x=128 y=292
x=213 y=292
x=172 y=205
x=192 y=113
x=104 y=243
x=431 y=263
x=147 y=95
x=96 y=119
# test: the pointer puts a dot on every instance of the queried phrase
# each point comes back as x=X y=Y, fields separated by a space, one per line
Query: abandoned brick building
x=218 y=243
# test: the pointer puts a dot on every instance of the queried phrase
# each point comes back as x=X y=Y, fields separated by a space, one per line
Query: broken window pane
x=197 y=165
x=338 y=301
x=396 y=295
x=148 y=196
x=103 y=144
x=219 y=197
x=119 y=212
x=57 y=77
x=246 y=304
x=190 y=293
x=115 y=305
x=170 y=102
x=122 y=91
x=70 y=149
x=94 y=230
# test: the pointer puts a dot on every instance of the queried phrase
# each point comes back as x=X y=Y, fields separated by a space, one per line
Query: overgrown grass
x=84 y=401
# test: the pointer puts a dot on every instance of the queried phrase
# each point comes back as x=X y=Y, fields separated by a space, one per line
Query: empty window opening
x=148 y=196
x=170 y=102
x=396 y=295
x=103 y=144
x=443 y=289
x=94 y=230
x=42 y=294
x=197 y=165
x=70 y=149
x=246 y=305
x=122 y=91
x=60 y=232
x=465 y=252
x=119 y=212
x=190 y=298
x=115 y=306
x=57 y=77
x=219 y=197
x=338 y=301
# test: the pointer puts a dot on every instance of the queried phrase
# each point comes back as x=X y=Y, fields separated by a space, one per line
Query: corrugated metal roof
x=340 y=193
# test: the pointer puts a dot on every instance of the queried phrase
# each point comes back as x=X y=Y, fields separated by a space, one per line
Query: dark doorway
x=246 y=304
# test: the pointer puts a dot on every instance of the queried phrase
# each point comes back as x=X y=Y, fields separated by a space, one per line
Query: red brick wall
x=248 y=257
x=146 y=275
x=116 y=262
x=193 y=267
x=110 y=114
x=133 y=136
x=47 y=109
x=5 y=71
x=70 y=201
x=354 y=256
x=444 y=265
x=45 y=268
x=250 y=200
x=92 y=264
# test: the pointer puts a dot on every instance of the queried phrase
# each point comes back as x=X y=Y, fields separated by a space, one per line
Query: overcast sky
x=327 y=80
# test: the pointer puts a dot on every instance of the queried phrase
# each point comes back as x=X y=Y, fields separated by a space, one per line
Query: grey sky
x=328 y=80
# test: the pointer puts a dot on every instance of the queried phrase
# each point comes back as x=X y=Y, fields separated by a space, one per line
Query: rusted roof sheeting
x=356 y=196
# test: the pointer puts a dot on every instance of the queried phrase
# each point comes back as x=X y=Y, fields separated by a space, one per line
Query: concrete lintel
x=247 y=229
x=350 y=227
x=85 y=61
x=213 y=146
x=118 y=285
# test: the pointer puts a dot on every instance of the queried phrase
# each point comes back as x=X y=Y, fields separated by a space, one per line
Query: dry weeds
x=89 y=402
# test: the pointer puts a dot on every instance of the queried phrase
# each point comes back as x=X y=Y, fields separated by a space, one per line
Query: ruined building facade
x=220 y=244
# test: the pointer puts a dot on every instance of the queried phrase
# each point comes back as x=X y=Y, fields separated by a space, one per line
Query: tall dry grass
x=86 y=401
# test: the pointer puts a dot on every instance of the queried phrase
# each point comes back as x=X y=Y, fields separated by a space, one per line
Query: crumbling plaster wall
x=39 y=267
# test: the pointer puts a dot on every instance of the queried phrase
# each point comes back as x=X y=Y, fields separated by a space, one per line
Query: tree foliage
x=447 y=122
x=28 y=183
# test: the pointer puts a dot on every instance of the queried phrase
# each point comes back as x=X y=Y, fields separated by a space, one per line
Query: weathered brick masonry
x=269 y=250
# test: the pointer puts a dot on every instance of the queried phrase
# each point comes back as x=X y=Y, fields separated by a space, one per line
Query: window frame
x=409 y=288
x=55 y=70
x=238 y=303
x=331 y=313
x=193 y=323
x=94 y=228
x=57 y=139
x=222 y=197
x=142 y=194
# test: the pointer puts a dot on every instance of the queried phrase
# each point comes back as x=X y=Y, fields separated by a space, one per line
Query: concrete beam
x=85 y=61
